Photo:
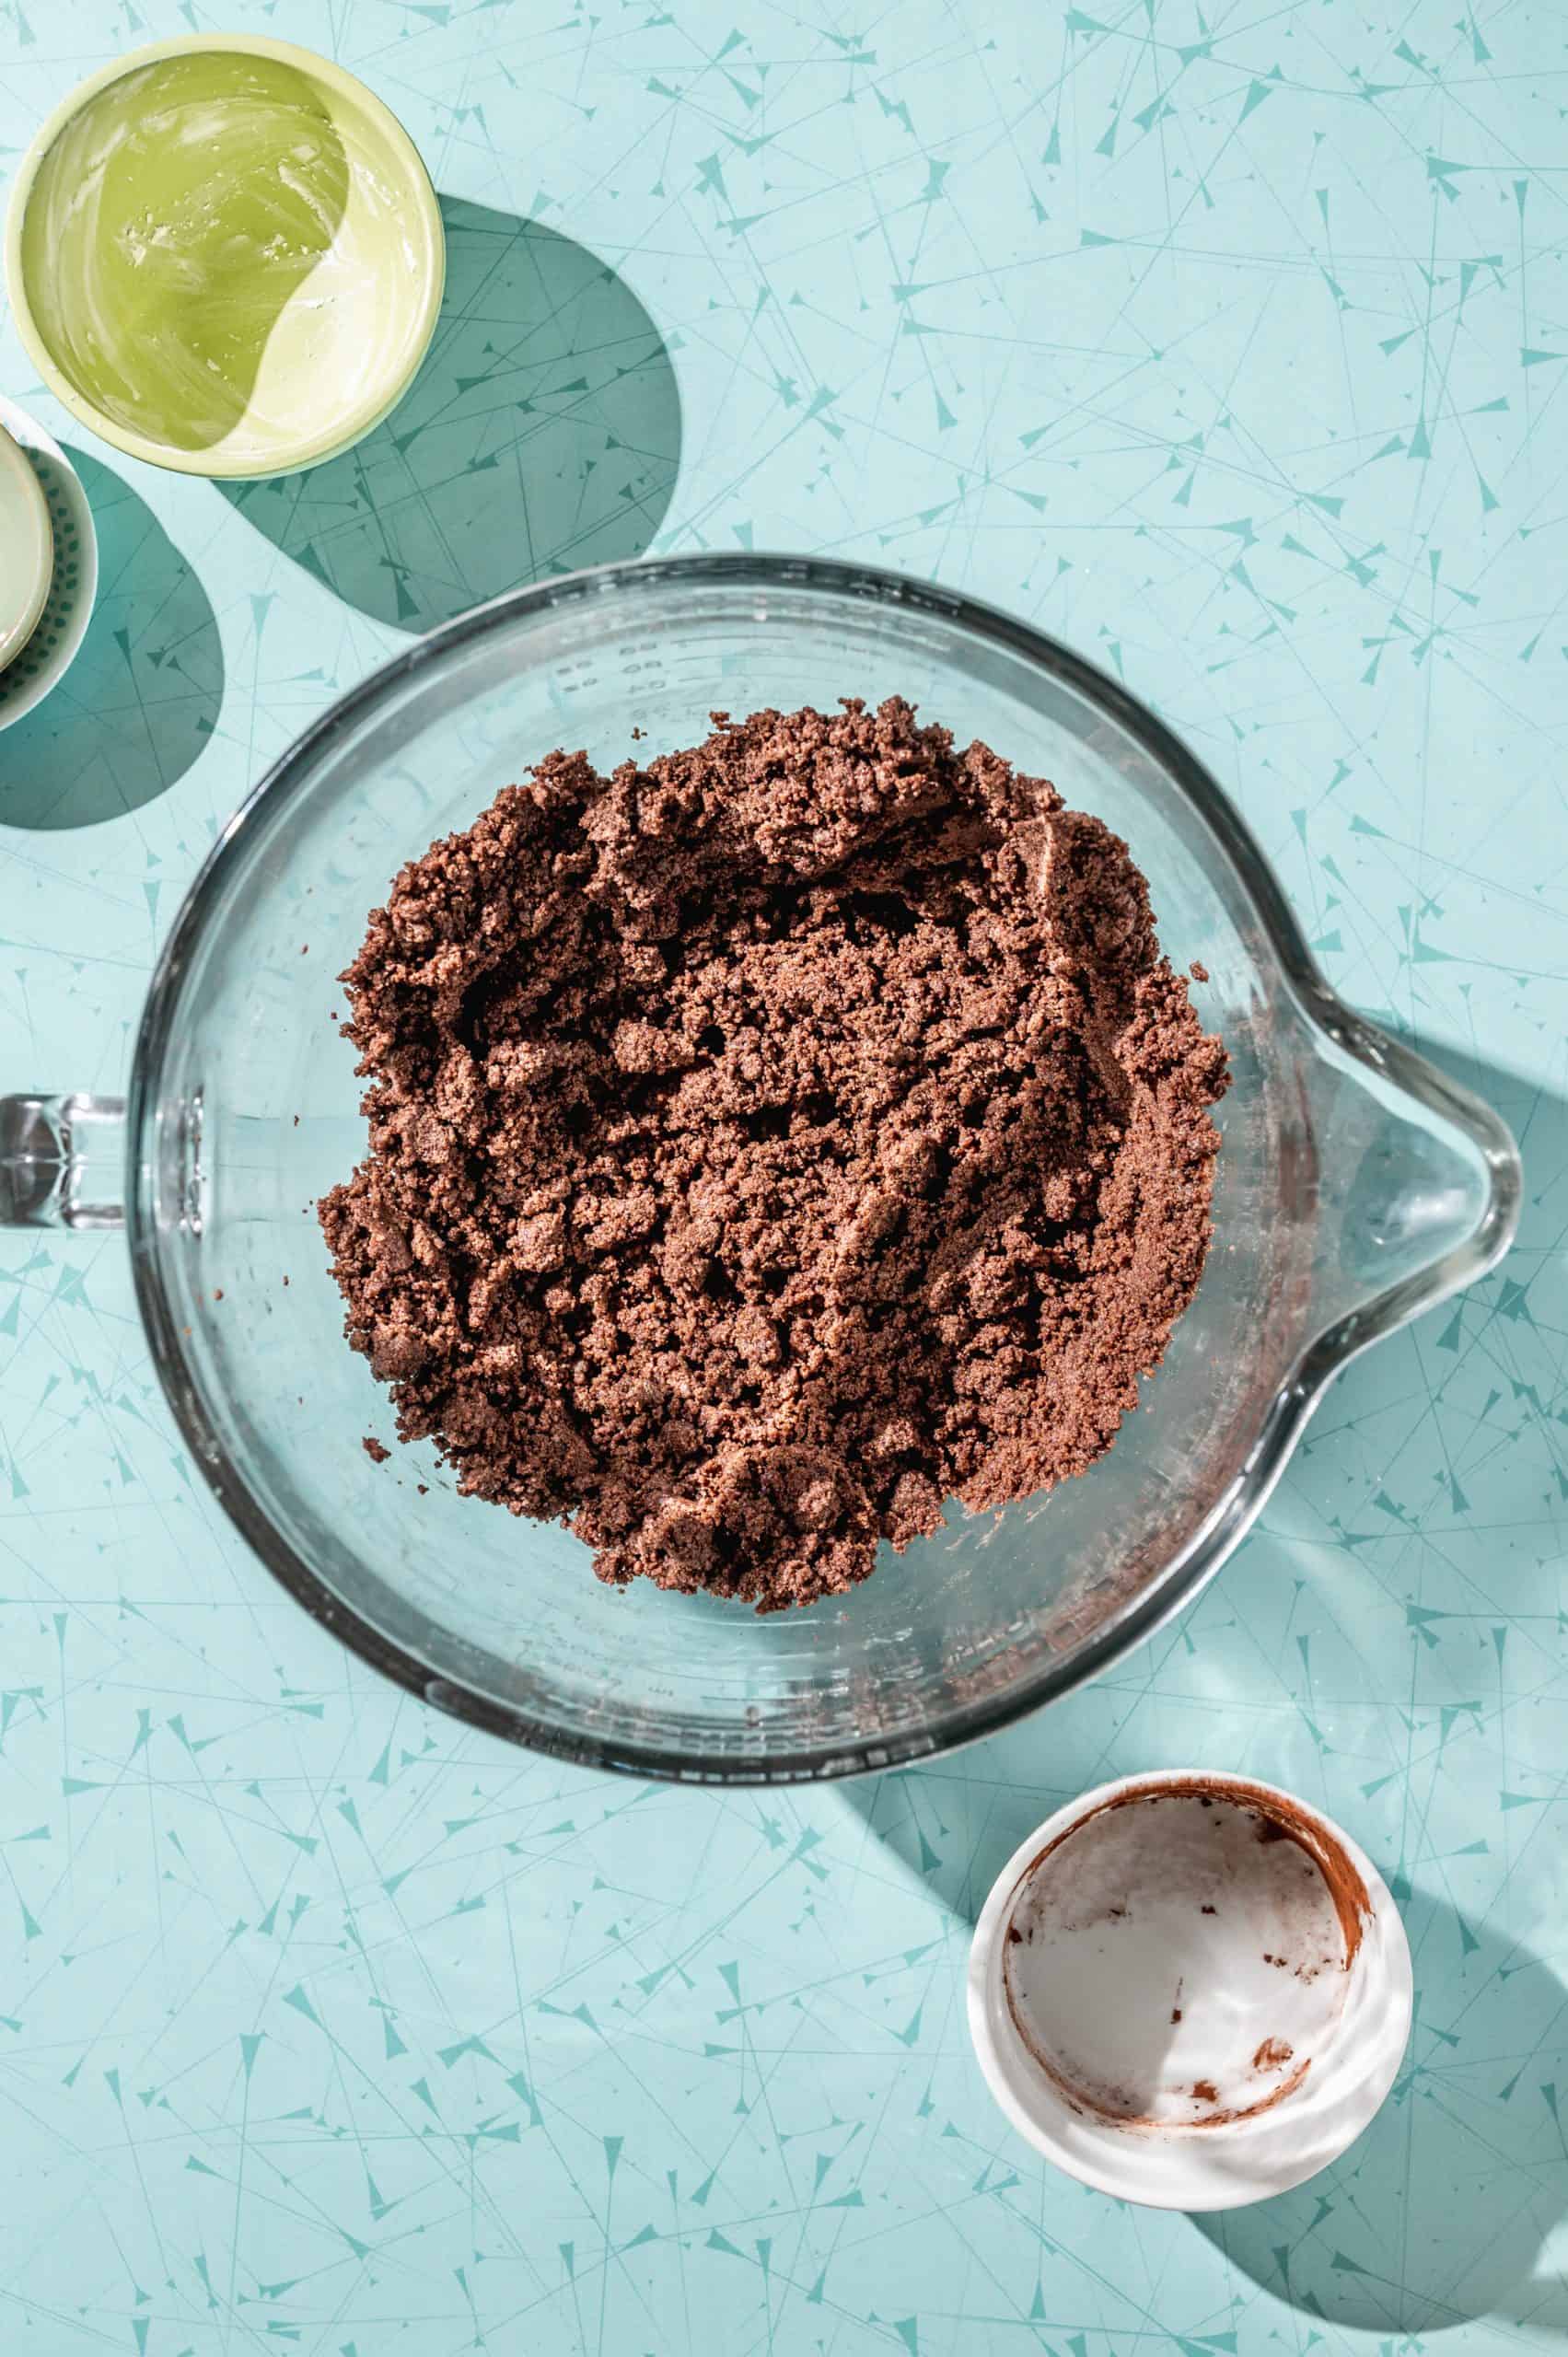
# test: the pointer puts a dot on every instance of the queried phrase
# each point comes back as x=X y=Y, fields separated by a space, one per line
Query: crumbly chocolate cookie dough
x=770 y=1142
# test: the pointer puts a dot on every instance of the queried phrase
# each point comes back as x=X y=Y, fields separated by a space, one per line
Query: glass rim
x=1325 y=1014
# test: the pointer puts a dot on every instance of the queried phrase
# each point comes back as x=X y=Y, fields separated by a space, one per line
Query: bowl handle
x=62 y=1162
x=1418 y=1186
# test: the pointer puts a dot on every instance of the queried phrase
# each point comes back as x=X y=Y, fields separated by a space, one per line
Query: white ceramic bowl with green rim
x=27 y=538
x=42 y=661
x=225 y=256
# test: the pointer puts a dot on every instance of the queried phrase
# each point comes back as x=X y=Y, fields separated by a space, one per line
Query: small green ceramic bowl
x=225 y=256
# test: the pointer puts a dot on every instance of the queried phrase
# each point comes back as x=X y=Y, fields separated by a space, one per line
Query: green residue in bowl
x=191 y=257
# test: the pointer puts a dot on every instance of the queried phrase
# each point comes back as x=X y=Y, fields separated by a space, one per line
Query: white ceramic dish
x=51 y=645
x=1190 y=1991
x=28 y=538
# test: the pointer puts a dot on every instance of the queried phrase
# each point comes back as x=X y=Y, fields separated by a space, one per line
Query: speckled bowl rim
x=20 y=695
x=13 y=643
x=346 y=430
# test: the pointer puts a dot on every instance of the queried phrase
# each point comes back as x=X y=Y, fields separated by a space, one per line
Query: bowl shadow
x=541 y=434
x=142 y=699
x=1441 y=2212
x=1448 y=2208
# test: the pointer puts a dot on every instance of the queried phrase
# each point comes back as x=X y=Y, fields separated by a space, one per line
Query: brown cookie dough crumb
x=376 y=1450
x=771 y=1144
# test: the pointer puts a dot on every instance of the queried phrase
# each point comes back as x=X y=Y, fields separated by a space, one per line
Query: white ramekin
x=1237 y=2152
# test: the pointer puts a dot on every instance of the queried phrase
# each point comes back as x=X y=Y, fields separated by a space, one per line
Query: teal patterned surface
x=1231 y=346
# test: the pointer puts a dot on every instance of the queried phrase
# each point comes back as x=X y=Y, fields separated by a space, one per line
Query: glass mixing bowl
x=1356 y=1187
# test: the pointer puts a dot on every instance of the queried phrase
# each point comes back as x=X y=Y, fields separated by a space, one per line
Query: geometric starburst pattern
x=1232 y=347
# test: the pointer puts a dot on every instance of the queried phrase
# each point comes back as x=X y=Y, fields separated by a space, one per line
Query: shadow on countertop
x=141 y=702
x=542 y=434
x=1443 y=2212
